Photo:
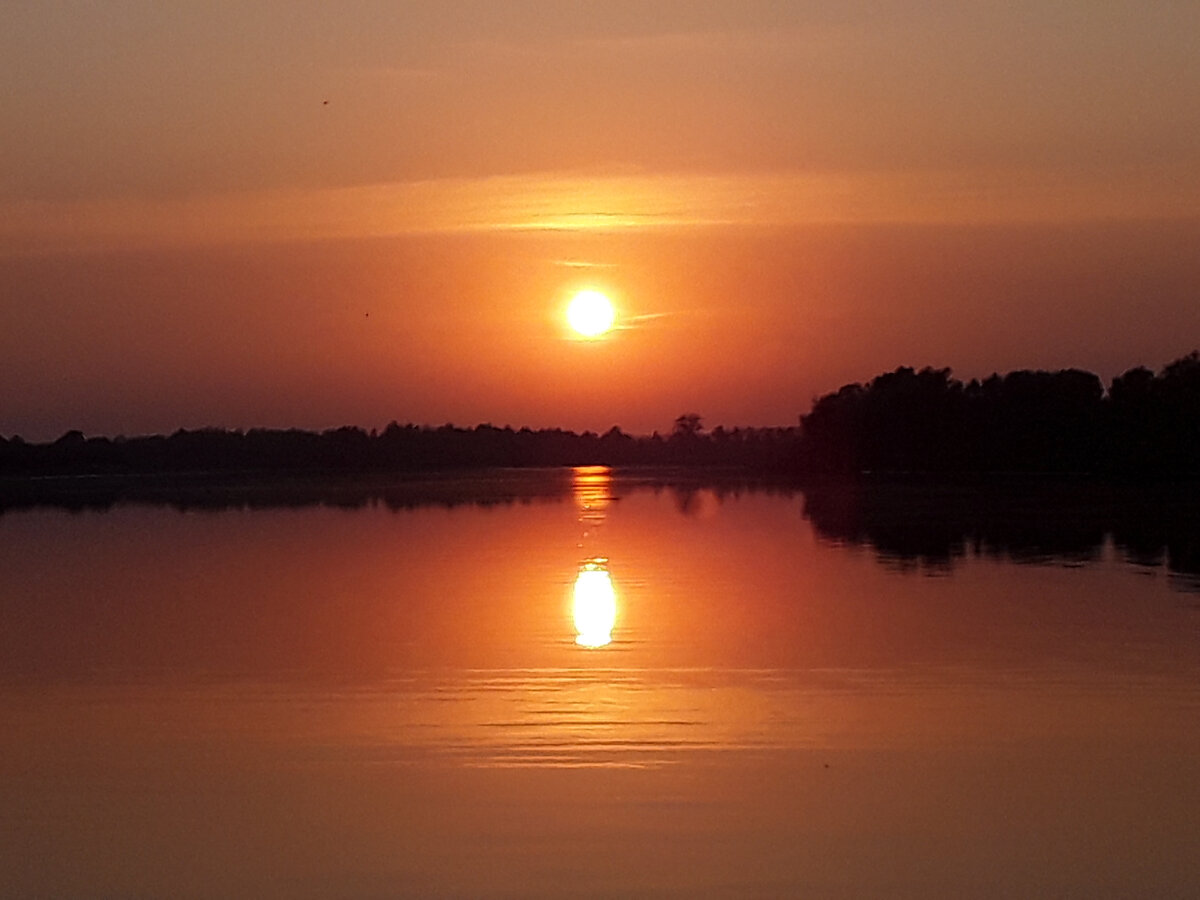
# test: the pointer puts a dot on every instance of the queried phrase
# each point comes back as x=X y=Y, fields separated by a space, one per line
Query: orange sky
x=272 y=213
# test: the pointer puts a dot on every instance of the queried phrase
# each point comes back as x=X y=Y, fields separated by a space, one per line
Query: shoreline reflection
x=935 y=527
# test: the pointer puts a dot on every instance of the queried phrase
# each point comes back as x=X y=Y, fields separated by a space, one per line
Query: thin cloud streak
x=582 y=264
x=576 y=202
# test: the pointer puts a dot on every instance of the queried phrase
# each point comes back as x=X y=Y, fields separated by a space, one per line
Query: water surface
x=579 y=684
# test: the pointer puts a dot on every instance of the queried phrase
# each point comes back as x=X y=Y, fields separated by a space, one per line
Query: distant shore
x=904 y=423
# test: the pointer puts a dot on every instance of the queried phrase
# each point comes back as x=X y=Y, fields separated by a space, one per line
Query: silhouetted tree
x=904 y=421
x=1025 y=421
x=688 y=425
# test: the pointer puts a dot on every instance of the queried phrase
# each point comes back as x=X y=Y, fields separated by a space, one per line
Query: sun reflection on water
x=594 y=599
x=592 y=487
x=595 y=604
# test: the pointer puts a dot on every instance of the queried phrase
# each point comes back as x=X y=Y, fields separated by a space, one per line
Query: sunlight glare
x=595 y=605
x=591 y=314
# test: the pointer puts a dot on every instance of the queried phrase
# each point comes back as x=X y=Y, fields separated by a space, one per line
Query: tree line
x=1145 y=424
x=927 y=421
x=396 y=448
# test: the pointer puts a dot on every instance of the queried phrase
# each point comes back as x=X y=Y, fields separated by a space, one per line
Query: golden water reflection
x=594 y=600
x=592 y=489
x=595 y=604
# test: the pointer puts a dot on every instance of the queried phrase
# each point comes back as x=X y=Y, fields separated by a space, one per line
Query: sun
x=591 y=314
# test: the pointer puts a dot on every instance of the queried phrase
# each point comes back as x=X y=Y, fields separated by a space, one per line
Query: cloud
x=576 y=202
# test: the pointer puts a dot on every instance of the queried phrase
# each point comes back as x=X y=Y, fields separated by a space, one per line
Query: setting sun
x=591 y=314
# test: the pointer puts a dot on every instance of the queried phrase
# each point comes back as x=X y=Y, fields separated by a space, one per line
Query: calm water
x=574 y=684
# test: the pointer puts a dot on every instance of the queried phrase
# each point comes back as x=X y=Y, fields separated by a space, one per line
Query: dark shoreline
x=1026 y=424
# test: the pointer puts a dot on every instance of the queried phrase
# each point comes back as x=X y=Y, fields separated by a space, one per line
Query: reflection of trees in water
x=590 y=487
x=216 y=493
x=701 y=496
x=697 y=502
x=935 y=526
x=908 y=525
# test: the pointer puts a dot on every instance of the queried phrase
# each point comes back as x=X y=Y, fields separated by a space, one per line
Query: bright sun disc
x=591 y=314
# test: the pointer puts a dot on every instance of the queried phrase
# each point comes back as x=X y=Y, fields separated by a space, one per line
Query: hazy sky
x=313 y=214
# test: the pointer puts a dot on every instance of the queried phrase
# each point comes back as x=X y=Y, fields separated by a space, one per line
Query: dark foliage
x=906 y=421
x=398 y=448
